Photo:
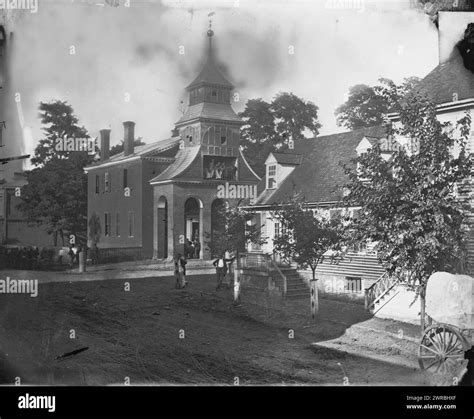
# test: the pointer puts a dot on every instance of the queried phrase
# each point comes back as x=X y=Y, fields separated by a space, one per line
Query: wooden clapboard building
x=314 y=170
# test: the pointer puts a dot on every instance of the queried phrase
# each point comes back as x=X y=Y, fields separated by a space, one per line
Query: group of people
x=221 y=264
x=32 y=257
x=19 y=257
x=192 y=249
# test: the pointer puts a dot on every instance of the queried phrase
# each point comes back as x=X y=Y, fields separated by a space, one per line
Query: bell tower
x=209 y=121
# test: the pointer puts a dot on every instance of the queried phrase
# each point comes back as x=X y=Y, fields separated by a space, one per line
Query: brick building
x=151 y=199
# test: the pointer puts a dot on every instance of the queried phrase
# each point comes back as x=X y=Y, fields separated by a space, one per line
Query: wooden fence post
x=314 y=298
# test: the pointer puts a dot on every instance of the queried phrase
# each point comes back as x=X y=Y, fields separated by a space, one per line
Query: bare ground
x=155 y=334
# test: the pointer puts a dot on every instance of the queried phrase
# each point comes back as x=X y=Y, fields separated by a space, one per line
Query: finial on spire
x=210 y=32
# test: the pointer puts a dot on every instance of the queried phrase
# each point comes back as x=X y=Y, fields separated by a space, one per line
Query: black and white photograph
x=237 y=193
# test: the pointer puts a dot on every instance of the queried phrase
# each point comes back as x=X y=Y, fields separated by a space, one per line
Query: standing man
x=180 y=271
x=197 y=248
x=221 y=269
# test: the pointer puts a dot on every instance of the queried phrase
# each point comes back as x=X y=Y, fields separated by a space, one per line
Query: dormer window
x=271 y=176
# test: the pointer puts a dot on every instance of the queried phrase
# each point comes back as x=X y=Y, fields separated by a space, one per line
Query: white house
x=314 y=170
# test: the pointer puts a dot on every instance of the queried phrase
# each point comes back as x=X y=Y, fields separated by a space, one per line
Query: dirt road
x=155 y=334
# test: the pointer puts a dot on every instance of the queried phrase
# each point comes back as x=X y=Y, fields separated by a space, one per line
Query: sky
x=97 y=56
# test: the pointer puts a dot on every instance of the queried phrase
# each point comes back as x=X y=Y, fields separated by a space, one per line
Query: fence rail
x=378 y=289
x=263 y=262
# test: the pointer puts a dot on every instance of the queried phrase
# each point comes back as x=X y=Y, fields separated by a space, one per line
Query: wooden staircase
x=380 y=292
x=295 y=286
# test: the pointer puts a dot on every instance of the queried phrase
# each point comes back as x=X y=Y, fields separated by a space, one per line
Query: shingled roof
x=320 y=174
x=210 y=111
x=210 y=74
x=143 y=150
x=448 y=78
x=287 y=158
x=184 y=159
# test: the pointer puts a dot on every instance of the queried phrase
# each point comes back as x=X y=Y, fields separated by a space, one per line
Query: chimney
x=128 y=137
x=104 y=144
x=451 y=30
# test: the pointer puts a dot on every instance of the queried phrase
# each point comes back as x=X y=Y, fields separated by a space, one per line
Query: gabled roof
x=210 y=74
x=320 y=175
x=287 y=158
x=448 y=78
x=208 y=110
x=141 y=151
x=372 y=140
x=184 y=159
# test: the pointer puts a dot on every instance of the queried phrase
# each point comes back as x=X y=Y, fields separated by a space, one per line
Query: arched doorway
x=193 y=225
x=218 y=239
x=162 y=228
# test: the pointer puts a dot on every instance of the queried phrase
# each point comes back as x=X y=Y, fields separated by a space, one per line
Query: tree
x=118 y=148
x=56 y=192
x=409 y=203
x=304 y=237
x=233 y=230
x=269 y=126
x=59 y=120
x=367 y=105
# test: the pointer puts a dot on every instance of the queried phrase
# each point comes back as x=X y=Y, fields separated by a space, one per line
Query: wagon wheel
x=441 y=347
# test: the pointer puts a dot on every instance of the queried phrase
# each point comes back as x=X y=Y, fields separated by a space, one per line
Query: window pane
x=211 y=135
x=117 y=224
x=107 y=181
x=106 y=224
x=277 y=229
x=130 y=224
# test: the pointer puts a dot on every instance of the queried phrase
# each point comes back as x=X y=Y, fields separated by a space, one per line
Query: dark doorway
x=162 y=228
x=192 y=226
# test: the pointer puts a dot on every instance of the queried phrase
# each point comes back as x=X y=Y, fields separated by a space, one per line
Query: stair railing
x=273 y=266
x=379 y=289
x=262 y=262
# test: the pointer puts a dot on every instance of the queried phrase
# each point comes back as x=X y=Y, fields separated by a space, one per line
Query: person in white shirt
x=221 y=269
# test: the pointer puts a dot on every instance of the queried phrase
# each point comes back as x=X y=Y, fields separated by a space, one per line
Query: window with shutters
x=117 y=224
x=277 y=229
x=131 y=223
x=107 y=224
x=107 y=181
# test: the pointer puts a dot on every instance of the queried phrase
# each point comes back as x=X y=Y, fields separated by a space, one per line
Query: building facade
x=15 y=229
x=152 y=199
x=314 y=170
